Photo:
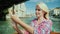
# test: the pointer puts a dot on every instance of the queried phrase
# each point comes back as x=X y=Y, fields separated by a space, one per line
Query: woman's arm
x=17 y=29
x=25 y=26
x=21 y=23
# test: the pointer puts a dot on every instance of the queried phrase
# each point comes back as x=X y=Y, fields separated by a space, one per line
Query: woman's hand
x=14 y=24
x=13 y=16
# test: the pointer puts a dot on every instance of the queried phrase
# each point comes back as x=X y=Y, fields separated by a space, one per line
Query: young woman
x=40 y=25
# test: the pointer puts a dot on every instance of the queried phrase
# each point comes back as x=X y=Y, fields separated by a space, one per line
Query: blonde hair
x=44 y=7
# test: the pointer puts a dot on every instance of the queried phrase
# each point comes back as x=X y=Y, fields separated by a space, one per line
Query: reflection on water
x=6 y=27
x=56 y=24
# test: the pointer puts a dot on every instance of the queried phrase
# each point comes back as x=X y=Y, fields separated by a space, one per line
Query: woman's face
x=39 y=12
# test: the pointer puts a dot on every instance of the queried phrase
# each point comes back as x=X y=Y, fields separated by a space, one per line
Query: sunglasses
x=38 y=9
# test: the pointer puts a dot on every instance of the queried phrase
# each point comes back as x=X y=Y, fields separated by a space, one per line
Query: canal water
x=6 y=27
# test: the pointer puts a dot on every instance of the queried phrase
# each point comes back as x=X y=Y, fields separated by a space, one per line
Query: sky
x=31 y=4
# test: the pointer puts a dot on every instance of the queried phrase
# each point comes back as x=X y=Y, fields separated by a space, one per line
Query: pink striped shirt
x=42 y=28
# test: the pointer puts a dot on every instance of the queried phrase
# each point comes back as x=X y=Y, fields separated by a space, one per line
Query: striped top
x=42 y=28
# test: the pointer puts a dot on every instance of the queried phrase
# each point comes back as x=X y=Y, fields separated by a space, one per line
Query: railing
x=54 y=33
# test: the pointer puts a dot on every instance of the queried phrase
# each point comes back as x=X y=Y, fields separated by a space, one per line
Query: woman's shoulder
x=34 y=21
x=48 y=21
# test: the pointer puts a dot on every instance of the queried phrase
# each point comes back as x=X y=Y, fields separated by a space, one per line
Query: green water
x=56 y=24
x=6 y=27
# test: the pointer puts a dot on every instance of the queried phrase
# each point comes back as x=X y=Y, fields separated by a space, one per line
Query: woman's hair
x=44 y=7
